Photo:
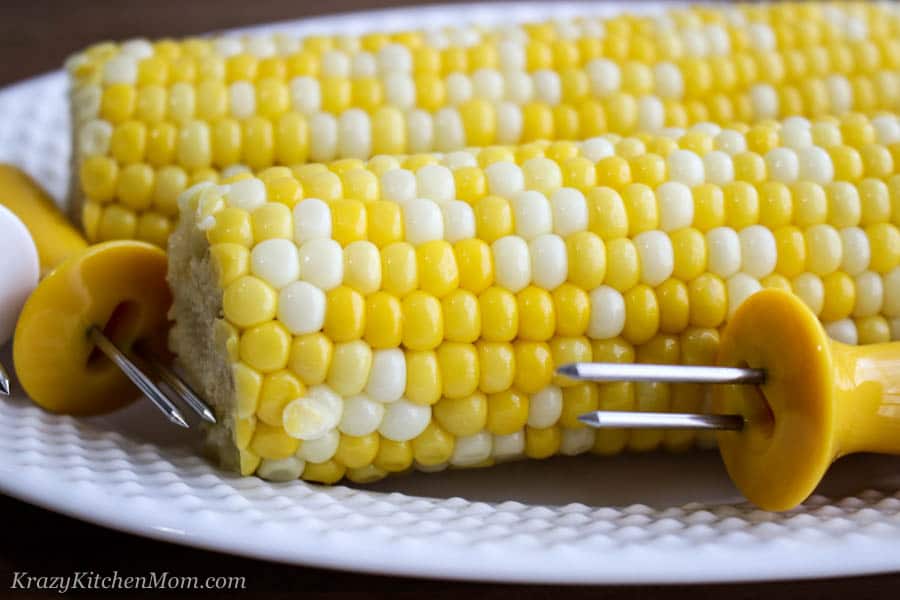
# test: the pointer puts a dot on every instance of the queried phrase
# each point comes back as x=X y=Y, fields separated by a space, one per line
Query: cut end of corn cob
x=356 y=319
x=151 y=119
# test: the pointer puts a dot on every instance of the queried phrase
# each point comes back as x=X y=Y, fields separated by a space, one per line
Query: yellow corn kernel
x=232 y=226
x=572 y=308
x=327 y=472
x=566 y=350
x=462 y=416
x=810 y=203
x=470 y=183
x=884 y=241
x=271 y=221
x=350 y=366
x=248 y=462
x=128 y=142
x=462 y=316
x=398 y=268
x=875 y=203
x=622 y=264
x=614 y=172
x=537 y=319
x=534 y=366
x=345 y=314
x=249 y=301
x=434 y=446
x=278 y=389
x=310 y=357
x=243 y=432
x=459 y=366
x=98 y=176
x=265 y=347
x=578 y=400
x=873 y=330
x=579 y=173
x=493 y=218
x=586 y=259
x=741 y=204
x=116 y=223
x=497 y=364
x=423 y=377
x=357 y=452
x=708 y=300
x=499 y=315
x=392 y=456
x=348 y=221
x=272 y=442
x=135 y=186
x=438 y=273
x=247 y=385
x=383 y=321
x=749 y=167
x=847 y=163
x=154 y=228
x=118 y=102
x=423 y=323
x=507 y=412
x=674 y=307
x=542 y=443
x=607 y=216
x=168 y=185
x=776 y=207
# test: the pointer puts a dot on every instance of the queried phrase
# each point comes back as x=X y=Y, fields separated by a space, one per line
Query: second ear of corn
x=152 y=119
x=361 y=318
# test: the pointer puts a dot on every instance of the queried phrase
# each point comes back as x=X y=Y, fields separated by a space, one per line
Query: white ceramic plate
x=653 y=518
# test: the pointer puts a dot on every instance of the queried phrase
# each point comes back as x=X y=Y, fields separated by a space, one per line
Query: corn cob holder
x=104 y=300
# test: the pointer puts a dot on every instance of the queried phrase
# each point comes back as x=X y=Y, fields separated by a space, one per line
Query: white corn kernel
x=306 y=95
x=518 y=87
x=596 y=149
x=512 y=263
x=676 y=206
x=246 y=194
x=814 y=164
x=320 y=449
x=576 y=441
x=809 y=288
x=459 y=88
x=669 y=82
x=282 y=469
x=398 y=185
x=511 y=55
x=120 y=69
x=545 y=407
x=276 y=262
x=404 y=420
x=363 y=64
x=260 y=46
x=472 y=449
x=313 y=416
x=759 y=253
x=783 y=165
x=856 y=250
x=436 y=183
x=547 y=88
x=718 y=167
x=400 y=91
x=731 y=142
x=323 y=135
x=607 y=318
x=449 y=133
x=843 y=330
x=504 y=179
x=394 y=58
x=605 y=77
x=740 y=287
x=869 y=294
x=488 y=84
x=509 y=122
x=422 y=221
x=387 y=378
x=823 y=249
x=229 y=45
x=94 y=137
x=312 y=221
x=508 y=447
x=764 y=101
x=657 y=257
x=459 y=221
x=570 y=213
x=322 y=263
x=355 y=134
x=685 y=166
x=138 y=48
x=532 y=214
x=458 y=159
x=724 y=251
x=549 y=261
x=242 y=99
x=301 y=307
x=361 y=416
x=840 y=93
x=651 y=114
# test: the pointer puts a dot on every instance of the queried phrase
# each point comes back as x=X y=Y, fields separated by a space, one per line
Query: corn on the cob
x=387 y=317
x=151 y=119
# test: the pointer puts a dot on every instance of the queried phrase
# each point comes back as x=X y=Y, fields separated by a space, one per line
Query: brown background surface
x=36 y=36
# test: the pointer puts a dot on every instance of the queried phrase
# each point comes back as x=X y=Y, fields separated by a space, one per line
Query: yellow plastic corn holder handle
x=821 y=400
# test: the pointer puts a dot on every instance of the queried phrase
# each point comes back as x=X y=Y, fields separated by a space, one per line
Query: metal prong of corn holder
x=649 y=373
x=136 y=369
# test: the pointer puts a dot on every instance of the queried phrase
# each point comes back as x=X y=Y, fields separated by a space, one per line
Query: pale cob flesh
x=152 y=119
x=409 y=311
